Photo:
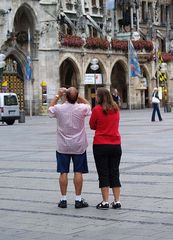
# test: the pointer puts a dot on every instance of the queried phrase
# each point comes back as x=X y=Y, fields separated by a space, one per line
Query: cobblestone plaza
x=29 y=184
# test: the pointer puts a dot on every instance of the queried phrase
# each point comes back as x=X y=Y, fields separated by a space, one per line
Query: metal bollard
x=22 y=117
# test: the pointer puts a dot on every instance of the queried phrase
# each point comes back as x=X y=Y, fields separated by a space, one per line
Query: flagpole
x=129 y=74
x=30 y=80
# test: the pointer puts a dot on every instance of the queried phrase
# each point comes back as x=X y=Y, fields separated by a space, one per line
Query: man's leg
x=78 y=183
x=79 y=166
x=63 y=182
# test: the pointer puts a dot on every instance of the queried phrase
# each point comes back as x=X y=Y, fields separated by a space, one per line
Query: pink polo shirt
x=71 y=134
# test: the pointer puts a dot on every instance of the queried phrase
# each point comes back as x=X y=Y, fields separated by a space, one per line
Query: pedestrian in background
x=107 y=146
x=155 y=105
x=116 y=97
x=71 y=141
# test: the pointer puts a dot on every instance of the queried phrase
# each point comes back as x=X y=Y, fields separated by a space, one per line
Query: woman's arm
x=93 y=120
x=82 y=100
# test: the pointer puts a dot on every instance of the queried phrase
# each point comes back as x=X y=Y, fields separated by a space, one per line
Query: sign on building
x=91 y=78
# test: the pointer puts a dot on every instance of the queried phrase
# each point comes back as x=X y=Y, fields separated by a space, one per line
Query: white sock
x=104 y=203
x=78 y=198
x=63 y=198
x=116 y=201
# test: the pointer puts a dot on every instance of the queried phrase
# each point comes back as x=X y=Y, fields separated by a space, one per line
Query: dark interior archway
x=68 y=74
x=13 y=79
x=147 y=97
x=118 y=81
x=24 y=28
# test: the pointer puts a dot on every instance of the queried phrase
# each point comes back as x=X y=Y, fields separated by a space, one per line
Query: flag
x=28 y=68
x=135 y=70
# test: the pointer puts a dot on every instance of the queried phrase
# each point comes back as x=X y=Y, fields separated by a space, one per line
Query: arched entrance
x=13 y=80
x=69 y=74
x=25 y=29
x=145 y=91
x=118 y=81
x=93 y=80
x=26 y=46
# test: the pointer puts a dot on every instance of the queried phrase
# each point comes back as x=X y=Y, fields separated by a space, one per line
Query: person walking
x=155 y=105
x=71 y=141
x=107 y=147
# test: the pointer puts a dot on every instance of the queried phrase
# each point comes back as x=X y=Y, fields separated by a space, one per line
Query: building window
x=162 y=14
x=143 y=11
x=167 y=14
x=150 y=7
x=93 y=2
x=101 y=3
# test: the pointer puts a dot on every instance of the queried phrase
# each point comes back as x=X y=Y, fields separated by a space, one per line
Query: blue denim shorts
x=79 y=162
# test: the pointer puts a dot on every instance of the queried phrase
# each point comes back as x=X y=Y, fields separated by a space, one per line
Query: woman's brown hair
x=105 y=99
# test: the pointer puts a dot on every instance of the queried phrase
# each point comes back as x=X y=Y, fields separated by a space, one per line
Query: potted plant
x=167 y=57
x=119 y=45
x=96 y=42
x=72 y=41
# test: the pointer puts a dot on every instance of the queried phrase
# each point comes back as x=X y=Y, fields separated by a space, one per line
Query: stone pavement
x=29 y=186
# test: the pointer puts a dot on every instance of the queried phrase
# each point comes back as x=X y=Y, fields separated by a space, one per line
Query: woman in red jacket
x=107 y=146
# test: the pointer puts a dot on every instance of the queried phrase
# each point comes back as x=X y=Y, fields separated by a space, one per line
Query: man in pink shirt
x=71 y=141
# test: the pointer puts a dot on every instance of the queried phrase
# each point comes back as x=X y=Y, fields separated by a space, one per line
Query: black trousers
x=107 y=159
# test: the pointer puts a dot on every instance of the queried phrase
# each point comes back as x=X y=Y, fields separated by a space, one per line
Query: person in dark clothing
x=116 y=97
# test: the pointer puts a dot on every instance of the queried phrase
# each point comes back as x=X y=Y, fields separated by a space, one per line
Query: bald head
x=72 y=95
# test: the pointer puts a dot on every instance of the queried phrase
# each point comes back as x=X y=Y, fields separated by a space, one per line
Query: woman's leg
x=158 y=113
x=114 y=162
x=101 y=161
x=153 y=113
x=105 y=193
x=116 y=193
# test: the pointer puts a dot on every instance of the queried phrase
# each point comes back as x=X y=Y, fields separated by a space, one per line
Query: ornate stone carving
x=156 y=9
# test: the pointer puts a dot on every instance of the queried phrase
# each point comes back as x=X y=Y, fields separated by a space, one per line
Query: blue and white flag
x=28 y=68
x=110 y=4
x=135 y=70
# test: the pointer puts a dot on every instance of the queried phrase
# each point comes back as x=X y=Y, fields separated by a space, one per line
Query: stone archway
x=118 y=81
x=145 y=80
x=25 y=22
x=13 y=80
x=25 y=29
x=93 y=80
x=69 y=74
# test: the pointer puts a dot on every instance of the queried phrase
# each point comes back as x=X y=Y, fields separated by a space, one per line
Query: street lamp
x=94 y=66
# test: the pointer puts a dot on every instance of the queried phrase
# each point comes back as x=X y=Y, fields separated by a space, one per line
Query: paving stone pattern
x=29 y=184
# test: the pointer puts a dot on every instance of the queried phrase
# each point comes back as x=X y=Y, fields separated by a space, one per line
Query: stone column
x=108 y=86
x=82 y=90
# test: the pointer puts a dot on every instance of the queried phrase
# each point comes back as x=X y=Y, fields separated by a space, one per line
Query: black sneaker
x=81 y=204
x=62 y=204
x=102 y=206
x=116 y=205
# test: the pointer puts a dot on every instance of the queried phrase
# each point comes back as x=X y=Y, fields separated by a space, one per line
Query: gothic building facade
x=52 y=43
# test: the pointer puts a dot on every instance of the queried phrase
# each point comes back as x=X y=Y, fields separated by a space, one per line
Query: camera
x=63 y=91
